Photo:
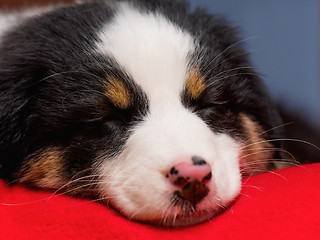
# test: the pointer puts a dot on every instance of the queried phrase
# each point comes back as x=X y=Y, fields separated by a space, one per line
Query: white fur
x=155 y=53
x=152 y=50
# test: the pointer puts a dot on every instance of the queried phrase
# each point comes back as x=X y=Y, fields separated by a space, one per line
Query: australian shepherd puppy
x=143 y=104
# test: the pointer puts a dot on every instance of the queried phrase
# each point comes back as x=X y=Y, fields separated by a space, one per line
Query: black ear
x=18 y=76
x=259 y=104
x=275 y=130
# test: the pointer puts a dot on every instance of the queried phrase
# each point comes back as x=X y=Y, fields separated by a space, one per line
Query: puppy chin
x=173 y=215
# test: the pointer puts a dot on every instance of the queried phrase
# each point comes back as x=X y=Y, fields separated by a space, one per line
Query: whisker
x=247 y=178
x=284 y=161
x=225 y=50
x=230 y=70
x=228 y=59
x=254 y=170
x=252 y=186
x=282 y=139
x=257 y=152
x=68 y=72
x=269 y=148
x=71 y=190
x=245 y=195
x=271 y=129
x=279 y=175
x=74 y=181
x=24 y=203
x=232 y=75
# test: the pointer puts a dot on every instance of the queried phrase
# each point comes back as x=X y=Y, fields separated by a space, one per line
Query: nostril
x=207 y=178
x=181 y=181
x=198 y=160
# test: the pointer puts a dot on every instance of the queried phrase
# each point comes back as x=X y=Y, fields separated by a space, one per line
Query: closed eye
x=209 y=106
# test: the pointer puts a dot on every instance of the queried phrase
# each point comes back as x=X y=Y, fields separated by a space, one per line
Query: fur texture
x=103 y=99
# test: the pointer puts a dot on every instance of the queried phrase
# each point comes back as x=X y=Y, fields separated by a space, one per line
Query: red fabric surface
x=280 y=205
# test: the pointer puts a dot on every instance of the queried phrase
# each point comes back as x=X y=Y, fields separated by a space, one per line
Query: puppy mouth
x=182 y=214
x=189 y=214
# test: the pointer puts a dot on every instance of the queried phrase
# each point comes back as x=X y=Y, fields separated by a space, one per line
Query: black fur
x=52 y=91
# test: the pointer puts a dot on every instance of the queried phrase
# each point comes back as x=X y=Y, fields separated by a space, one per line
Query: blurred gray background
x=283 y=38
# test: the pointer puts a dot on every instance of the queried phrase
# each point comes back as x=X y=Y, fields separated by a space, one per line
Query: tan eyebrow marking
x=118 y=93
x=195 y=83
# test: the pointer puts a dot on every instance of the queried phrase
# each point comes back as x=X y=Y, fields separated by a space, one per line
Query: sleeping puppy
x=142 y=104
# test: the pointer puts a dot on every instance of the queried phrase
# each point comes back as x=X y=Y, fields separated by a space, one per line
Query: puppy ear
x=264 y=110
x=17 y=82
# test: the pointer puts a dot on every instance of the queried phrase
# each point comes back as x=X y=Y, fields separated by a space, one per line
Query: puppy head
x=194 y=112
x=158 y=120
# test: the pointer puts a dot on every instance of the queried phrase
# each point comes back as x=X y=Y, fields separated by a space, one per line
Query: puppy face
x=153 y=110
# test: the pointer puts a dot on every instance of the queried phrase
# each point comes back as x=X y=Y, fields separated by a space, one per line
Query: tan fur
x=195 y=83
x=118 y=93
x=257 y=153
x=45 y=170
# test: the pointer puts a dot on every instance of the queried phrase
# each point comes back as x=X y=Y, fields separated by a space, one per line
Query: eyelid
x=212 y=104
x=97 y=119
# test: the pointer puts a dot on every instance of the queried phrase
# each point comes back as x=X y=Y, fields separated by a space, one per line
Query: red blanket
x=281 y=205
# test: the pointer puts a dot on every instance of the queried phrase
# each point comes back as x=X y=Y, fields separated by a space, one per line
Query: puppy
x=149 y=107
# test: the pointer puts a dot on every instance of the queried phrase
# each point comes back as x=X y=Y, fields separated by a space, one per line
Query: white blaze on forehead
x=151 y=49
x=155 y=52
